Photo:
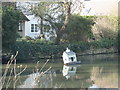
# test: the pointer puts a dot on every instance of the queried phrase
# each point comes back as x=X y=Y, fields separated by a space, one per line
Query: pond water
x=98 y=71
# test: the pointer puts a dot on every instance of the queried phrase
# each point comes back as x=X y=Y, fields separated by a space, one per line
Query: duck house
x=69 y=57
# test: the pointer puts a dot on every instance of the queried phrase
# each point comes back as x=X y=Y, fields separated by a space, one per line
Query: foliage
x=49 y=14
x=79 y=28
x=118 y=34
x=10 y=22
x=118 y=41
x=28 y=38
x=106 y=27
x=36 y=50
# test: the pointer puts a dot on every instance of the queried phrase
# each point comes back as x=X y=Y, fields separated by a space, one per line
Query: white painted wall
x=33 y=20
x=27 y=28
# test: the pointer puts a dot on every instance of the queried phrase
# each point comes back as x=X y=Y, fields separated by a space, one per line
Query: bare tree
x=71 y=7
x=67 y=16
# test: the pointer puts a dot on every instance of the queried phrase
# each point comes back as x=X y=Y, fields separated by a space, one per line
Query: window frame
x=34 y=28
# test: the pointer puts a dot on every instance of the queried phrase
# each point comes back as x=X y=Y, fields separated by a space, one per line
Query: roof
x=70 y=53
x=23 y=17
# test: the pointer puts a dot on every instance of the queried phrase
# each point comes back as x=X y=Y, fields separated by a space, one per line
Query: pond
x=98 y=71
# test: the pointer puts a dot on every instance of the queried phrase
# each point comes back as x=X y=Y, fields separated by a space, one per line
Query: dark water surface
x=95 y=71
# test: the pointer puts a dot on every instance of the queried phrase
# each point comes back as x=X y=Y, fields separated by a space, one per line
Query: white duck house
x=69 y=56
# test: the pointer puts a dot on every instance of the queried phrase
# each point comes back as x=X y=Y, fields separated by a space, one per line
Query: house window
x=34 y=28
x=20 y=26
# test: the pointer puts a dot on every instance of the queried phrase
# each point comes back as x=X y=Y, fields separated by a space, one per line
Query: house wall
x=27 y=28
x=33 y=20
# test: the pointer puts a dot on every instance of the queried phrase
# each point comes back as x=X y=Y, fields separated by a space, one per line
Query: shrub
x=36 y=50
x=10 y=22
x=28 y=38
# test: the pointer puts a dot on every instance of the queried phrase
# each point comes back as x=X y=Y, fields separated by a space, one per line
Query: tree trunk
x=67 y=16
x=41 y=29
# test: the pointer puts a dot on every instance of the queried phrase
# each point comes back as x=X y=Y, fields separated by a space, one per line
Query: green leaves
x=79 y=28
x=42 y=49
x=10 y=23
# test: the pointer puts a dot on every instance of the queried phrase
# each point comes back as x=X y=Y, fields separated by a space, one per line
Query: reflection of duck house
x=69 y=71
x=69 y=57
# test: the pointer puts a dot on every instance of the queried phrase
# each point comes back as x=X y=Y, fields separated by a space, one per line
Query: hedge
x=34 y=50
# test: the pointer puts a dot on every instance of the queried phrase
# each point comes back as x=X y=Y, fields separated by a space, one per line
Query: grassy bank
x=37 y=50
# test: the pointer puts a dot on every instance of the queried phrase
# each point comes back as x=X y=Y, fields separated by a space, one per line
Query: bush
x=28 y=38
x=41 y=41
x=10 y=23
x=34 y=50
x=78 y=29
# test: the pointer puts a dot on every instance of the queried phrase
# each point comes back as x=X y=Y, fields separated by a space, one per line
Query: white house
x=29 y=28
x=32 y=26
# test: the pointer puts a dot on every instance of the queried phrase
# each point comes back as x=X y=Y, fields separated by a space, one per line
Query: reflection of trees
x=55 y=79
x=103 y=71
x=103 y=79
x=100 y=58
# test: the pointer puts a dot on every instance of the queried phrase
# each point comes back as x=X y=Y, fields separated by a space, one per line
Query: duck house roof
x=70 y=53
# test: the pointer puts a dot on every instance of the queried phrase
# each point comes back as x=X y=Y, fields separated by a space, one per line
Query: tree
x=70 y=6
x=66 y=21
x=10 y=23
x=48 y=12
x=0 y=28
x=78 y=29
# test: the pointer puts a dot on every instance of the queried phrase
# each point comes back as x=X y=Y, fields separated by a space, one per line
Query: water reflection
x=74 y=77
x=104 y=78
x=69 y=71
x=39 y=80
x=30 y=82
x=94 y=85
x=98 y=71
